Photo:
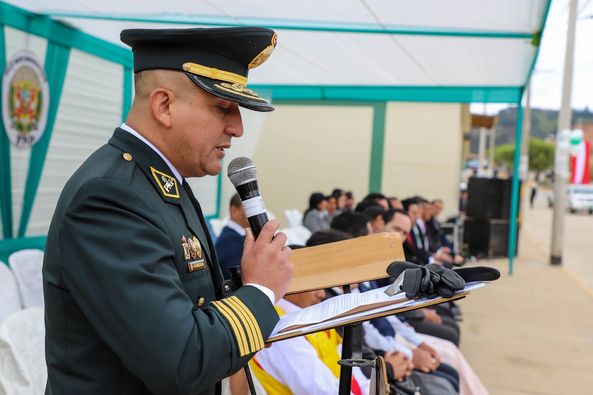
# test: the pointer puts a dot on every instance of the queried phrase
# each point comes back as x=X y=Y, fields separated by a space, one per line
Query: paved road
x=532 y=333
x=578 y=239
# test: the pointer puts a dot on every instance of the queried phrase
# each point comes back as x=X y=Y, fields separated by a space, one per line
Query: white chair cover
x=10 y=300
x=22 y=353
x=294 y=217
x=296 y=235
x=216 y=224
x=26 y=266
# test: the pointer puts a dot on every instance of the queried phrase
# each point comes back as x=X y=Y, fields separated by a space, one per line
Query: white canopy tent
x=458 y=51
x=363 y=43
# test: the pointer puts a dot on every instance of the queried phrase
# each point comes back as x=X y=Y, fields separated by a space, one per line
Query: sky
x=546 y=82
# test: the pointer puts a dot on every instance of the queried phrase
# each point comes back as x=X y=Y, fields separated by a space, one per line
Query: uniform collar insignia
x=150 y=163
x=167 y=184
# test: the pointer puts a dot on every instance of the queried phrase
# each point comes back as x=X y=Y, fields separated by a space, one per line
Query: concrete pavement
x=532 y=333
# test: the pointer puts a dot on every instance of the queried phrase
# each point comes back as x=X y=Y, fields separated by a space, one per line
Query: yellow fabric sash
x=325 y=343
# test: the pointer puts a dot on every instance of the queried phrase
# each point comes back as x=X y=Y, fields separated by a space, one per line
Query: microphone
x=242 y=173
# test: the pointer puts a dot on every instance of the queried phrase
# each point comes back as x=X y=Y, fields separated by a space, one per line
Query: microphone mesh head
x=241 y=170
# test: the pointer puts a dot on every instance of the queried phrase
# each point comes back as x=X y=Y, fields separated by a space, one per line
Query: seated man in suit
x=435 y=234
x=417 y=245
x=229 y=245
x=428 y=320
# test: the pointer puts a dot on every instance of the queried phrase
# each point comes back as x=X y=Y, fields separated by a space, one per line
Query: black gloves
x=427 y=281
x=478 y=273
x=446 y=281
x=434 y=280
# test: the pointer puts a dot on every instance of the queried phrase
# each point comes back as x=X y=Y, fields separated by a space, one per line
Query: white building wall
x=306 y=148
x=422 y=152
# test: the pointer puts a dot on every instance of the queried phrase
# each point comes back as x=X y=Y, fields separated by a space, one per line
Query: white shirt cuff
x=267 y=291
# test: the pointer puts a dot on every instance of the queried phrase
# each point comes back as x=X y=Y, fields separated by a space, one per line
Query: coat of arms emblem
x=25 y=95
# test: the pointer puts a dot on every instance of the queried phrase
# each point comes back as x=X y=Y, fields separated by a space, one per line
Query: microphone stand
x=228 y=287
x=351 y=353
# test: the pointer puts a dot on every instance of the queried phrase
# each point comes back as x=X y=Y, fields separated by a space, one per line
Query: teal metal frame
x=5 y=166
x=127 y=96
x=373 y=93
x=294 y=24
x=515 y=192
x=60 y=33
x=8 y=246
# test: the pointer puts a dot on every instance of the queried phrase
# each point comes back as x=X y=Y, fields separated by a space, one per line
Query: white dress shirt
x=375 y=340
x=236 y=227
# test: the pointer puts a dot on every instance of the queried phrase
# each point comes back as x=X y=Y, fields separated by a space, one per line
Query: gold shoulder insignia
x=167 y=183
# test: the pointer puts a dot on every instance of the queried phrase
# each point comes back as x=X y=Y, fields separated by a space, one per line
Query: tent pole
x=515 y=188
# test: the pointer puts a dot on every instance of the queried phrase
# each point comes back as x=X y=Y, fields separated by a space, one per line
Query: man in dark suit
x=133 y=291
x=229 y=245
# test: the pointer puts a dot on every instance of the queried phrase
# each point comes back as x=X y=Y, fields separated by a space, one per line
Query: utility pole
x=564 y=124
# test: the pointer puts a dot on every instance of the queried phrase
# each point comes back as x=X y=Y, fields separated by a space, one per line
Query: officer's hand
x=266 y=261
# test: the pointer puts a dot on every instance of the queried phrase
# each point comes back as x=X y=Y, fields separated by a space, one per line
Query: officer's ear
x=160 y=105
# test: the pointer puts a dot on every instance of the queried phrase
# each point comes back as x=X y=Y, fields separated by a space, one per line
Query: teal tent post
x=377 y=146
x=515 y=188
x=5 y=172
x=56 y=64
x=218 y=194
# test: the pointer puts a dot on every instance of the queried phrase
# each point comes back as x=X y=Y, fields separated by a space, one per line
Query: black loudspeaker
x=487 y=238
x=489 y=198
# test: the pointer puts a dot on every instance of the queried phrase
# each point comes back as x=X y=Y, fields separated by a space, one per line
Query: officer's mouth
x=223 y=147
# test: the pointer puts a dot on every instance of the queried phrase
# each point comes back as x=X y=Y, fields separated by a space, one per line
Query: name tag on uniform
x=195 y=265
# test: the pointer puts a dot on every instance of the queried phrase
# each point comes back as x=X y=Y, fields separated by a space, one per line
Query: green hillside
x=543 y=125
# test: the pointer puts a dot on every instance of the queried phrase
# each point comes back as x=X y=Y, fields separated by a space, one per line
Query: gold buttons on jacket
x=200 y=301
x=127 y=156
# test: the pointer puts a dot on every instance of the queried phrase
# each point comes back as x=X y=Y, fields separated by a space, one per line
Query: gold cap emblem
x=265 y=54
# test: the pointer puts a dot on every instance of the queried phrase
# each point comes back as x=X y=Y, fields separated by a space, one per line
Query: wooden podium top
x=345 y=262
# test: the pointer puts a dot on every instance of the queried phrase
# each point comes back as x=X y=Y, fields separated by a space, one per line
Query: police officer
x=132 y=287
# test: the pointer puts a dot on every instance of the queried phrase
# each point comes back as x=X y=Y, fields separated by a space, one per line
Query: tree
x=541 y=155
x=504 y=155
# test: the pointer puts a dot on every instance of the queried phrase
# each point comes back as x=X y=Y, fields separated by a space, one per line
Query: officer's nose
x=234 y=124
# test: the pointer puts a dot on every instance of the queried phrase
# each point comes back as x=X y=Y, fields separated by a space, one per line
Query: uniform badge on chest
x=192 y=251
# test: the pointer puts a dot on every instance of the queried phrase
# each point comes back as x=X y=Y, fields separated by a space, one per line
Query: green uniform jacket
x=132 y=285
